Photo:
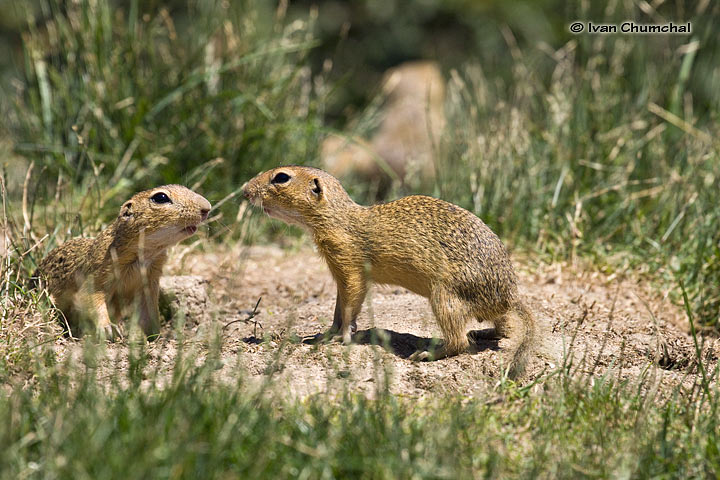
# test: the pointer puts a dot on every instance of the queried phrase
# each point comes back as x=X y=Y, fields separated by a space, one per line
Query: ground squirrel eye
x=280 y=178
x=160 y=197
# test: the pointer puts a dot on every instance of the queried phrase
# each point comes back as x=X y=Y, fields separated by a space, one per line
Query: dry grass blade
x=680 y=123
x=27 y=227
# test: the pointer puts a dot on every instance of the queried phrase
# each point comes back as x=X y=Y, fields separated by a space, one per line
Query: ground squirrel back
x=429 y=246
x=117 y=273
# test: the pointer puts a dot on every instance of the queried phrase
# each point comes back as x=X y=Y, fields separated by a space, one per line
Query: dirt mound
x=597 y=324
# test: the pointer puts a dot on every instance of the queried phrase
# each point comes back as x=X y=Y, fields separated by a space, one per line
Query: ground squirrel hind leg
x=499 y=329
x=452 y=314
x=502 y=326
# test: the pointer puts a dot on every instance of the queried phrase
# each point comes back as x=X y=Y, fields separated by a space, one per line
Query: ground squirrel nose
x=204 y=213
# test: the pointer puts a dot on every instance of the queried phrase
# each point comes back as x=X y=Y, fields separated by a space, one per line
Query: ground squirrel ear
x=317 y=190
x=126 y=211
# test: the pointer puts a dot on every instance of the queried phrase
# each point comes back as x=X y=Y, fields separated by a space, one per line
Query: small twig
x=37 y=244
x=250 y=316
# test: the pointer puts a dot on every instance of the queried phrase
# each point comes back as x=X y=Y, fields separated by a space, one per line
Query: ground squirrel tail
x=524 y=349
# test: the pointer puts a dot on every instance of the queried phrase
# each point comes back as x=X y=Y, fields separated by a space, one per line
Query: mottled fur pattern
x=117 y=273
x=429 y=246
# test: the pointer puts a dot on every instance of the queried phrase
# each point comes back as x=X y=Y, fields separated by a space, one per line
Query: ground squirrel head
x=297 y=195
x=165 y=215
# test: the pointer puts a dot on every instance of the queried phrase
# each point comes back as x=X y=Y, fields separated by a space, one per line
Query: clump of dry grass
x=28 y=321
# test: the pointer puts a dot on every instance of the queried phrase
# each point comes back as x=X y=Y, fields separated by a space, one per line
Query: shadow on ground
x=401 y=344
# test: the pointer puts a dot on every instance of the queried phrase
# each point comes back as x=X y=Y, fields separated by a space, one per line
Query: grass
x=605 y=148
x=600 y=149
x=113 y=100
x=75 y=422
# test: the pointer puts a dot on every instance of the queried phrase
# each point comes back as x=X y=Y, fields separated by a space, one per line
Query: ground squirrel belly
x=429 y=246
x=117 y=273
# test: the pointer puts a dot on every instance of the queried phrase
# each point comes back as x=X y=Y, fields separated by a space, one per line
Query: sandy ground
x=608 y=325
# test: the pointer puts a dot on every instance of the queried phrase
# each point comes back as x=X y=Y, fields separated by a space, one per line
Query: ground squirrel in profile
x=117 y=273
x=429 y=246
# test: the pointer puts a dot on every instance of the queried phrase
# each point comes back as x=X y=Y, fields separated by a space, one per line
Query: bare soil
x=593 y=323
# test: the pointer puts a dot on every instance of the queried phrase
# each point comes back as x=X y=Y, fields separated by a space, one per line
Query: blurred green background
x=595 y=146
x=594 y=150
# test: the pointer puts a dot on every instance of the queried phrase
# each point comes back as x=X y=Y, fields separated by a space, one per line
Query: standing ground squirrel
x=429 y=246
x=118 y=272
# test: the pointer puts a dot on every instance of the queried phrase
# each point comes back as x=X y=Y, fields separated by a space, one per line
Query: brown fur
x=429 y=246
x=413 y=118
x=118 y=271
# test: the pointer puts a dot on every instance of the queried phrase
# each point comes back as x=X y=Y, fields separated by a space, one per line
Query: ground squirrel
x=117 y=273
x=412 y=121
x=429 y=246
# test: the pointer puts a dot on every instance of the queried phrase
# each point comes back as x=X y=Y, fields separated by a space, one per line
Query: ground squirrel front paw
x=333 y=336
x=109 y=332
